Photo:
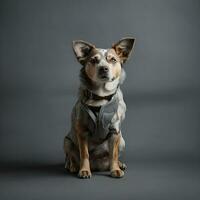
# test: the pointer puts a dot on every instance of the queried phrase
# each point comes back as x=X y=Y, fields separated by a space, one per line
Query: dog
x=95 y=140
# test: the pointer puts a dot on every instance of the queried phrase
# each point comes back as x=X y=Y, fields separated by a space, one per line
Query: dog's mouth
x=104 y=77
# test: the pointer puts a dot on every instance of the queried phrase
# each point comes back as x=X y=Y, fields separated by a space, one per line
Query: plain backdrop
x=39 y=78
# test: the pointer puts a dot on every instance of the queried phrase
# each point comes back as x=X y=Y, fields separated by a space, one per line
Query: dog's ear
x=82 y=50
x=123 y=48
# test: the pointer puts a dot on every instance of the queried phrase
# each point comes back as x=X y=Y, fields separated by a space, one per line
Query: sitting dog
x=95 y=139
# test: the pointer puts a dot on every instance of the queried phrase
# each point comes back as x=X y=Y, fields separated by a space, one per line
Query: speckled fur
x=83 y=152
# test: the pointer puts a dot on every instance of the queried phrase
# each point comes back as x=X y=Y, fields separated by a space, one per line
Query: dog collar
x=90 y=95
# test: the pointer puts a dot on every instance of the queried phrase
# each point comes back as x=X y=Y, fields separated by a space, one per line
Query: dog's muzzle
x=103 y=72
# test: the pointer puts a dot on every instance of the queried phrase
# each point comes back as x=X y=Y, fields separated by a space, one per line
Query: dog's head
x=103 y=65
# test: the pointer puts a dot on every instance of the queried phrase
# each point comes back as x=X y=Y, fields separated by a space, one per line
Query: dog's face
x=103 y=65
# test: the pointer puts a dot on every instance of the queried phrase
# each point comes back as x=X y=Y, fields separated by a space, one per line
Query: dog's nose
x=103 y=69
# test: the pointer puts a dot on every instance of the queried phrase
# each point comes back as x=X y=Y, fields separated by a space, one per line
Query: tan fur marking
x=111 y=53
x=116 y=67
x=89 y=68
x=84 y=171
x=114 y=152
x=115 y=170
x=90 y=71
x=116 y=70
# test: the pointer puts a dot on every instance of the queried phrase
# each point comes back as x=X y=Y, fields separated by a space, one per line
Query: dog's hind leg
x=122 y=165
x=71 y=156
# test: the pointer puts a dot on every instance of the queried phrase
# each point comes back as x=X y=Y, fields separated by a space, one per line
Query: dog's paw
x=122 y=166
x=118 y=173
x=84 y=174
x=73 y=169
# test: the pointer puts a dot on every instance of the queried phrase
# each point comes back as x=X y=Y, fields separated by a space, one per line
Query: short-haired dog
x=95 y=139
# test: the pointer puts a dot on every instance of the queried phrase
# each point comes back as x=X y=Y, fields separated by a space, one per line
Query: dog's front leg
x=114 y=143
x=84 y=171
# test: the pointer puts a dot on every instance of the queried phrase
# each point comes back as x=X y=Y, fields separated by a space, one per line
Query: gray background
x=39 y=81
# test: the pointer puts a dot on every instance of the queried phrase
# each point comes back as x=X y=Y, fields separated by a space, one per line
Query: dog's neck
x=99 y=89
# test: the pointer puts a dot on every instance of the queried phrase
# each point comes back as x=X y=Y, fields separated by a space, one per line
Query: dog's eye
x=113 y=60
x=94 y=60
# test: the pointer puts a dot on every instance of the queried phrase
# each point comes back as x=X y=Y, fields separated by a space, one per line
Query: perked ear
x=82 y=50
x=123 y=48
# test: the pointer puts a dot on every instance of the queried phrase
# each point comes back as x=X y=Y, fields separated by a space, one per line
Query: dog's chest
x=100 y=120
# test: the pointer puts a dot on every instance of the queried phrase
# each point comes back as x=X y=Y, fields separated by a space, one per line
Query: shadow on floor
x=12 y=169
x=19 y=168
